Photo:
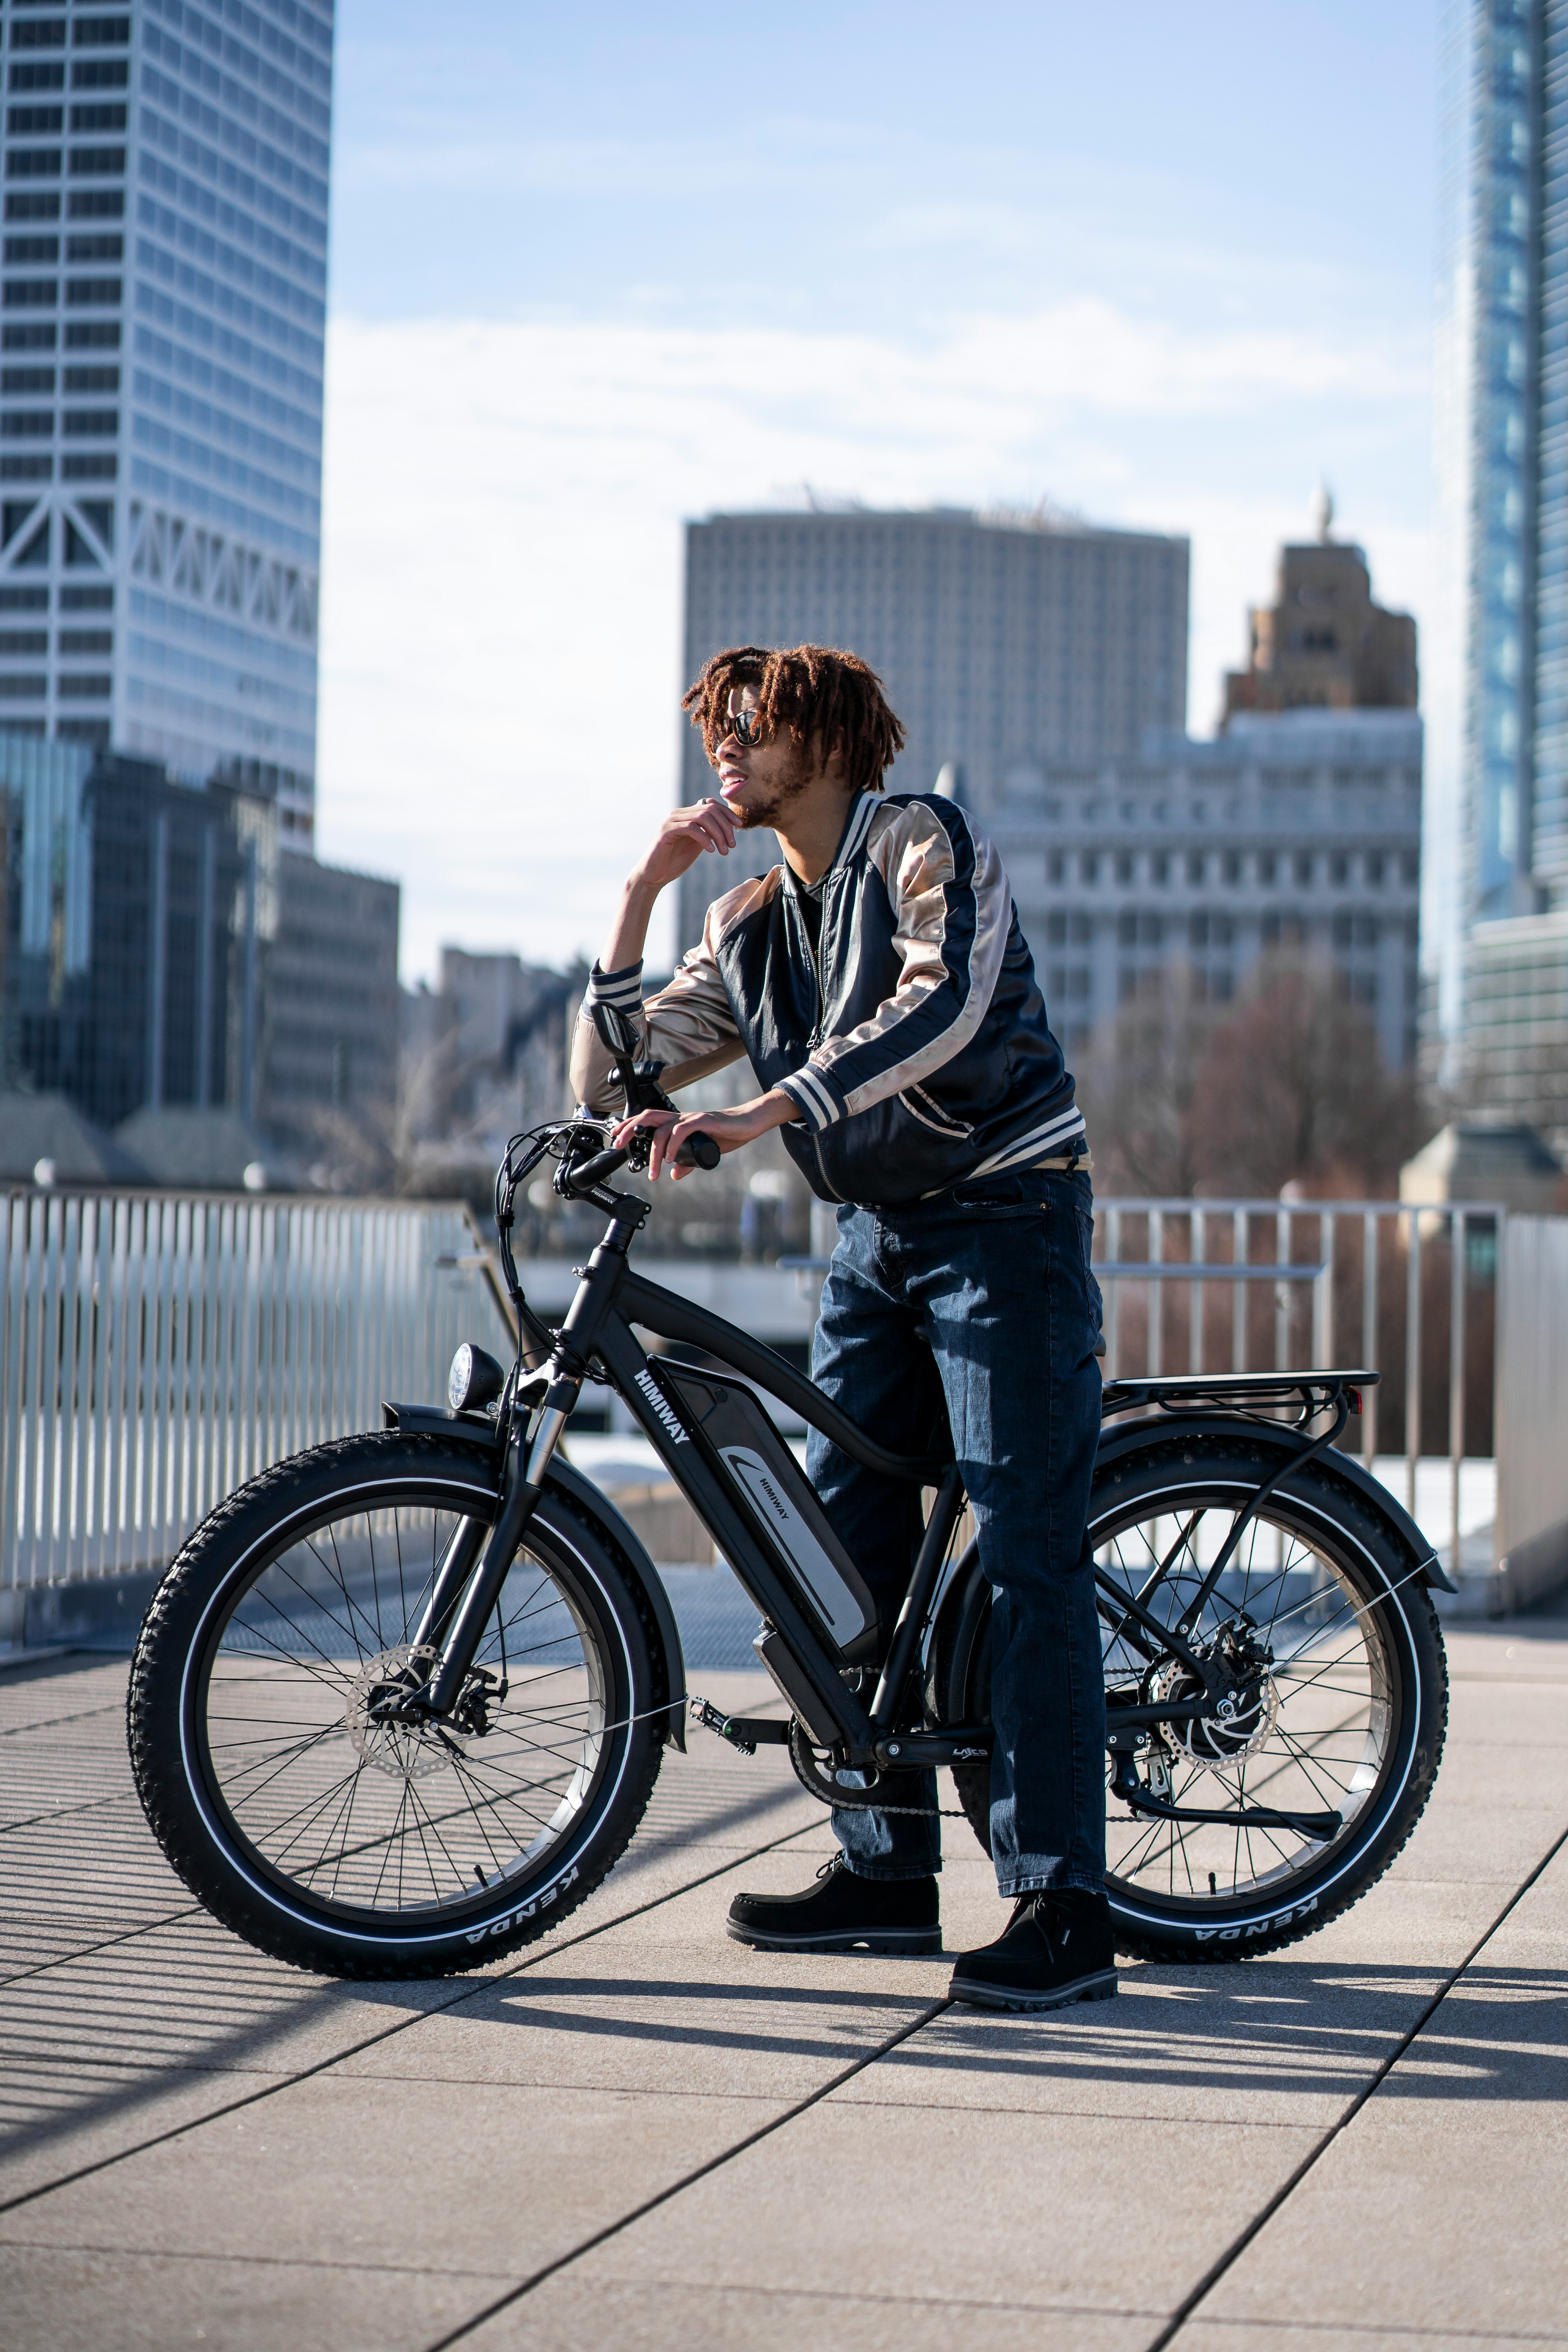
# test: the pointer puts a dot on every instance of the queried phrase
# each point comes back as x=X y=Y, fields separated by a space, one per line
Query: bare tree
x=1293 y=1087
x=1136 y=1083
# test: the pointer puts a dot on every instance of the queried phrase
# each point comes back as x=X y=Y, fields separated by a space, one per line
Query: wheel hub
x=406 y=1751
x=1242 y=1720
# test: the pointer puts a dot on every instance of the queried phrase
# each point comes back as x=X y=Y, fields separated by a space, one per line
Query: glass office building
x=1497 y=666
x=164 y=170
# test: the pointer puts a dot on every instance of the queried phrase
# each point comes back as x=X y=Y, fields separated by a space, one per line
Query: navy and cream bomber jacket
x=913 y=1042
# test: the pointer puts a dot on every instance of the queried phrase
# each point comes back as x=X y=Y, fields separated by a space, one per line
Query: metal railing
x=1410 y=1291
x=156 y=1350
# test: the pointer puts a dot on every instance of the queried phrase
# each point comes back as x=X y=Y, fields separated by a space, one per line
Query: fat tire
x=216 y=1555
x=1243 y=1927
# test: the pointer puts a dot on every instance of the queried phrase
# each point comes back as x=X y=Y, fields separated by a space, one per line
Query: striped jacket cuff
x=815 y=1096
x=623 y=988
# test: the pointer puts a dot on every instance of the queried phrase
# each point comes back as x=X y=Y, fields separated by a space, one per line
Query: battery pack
x=783 y=1499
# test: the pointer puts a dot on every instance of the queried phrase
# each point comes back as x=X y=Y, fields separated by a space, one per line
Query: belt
x=1066 y=1160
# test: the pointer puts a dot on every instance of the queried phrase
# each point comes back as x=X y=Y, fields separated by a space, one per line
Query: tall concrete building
x=164 y=166
x=1297 y=832
x=1497 y=702
x=1323 y=643
x=1004 y=641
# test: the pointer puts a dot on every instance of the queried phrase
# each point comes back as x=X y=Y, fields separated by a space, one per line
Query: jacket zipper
x=816 y=1037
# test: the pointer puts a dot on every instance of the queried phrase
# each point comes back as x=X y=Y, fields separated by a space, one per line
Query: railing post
x=1455 y=1378
x=1502 y=1433
x=1197 y=1231
x=1370 y=1222
x=1156 y=1294
x=1412 y=1356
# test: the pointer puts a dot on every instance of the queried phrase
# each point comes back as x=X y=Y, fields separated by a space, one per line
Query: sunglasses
x=745 y=726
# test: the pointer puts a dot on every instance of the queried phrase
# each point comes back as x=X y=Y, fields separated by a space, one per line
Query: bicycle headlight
x=474 y=1381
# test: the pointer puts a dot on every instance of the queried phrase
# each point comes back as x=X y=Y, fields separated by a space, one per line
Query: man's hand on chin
x=729 y=1129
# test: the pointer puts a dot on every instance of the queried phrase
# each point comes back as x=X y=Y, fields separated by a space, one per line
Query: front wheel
x=363 y=1848
x=1342 y=1697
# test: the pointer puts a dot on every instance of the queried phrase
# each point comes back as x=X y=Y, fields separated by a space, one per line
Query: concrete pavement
x=639 y=2130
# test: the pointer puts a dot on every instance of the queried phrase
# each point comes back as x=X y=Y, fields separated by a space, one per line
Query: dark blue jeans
x=980 y=1306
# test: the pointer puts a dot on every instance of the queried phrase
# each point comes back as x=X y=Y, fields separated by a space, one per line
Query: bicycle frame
x=598 y=1332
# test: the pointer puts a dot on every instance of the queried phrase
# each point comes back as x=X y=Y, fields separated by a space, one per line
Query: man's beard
x=785 y=793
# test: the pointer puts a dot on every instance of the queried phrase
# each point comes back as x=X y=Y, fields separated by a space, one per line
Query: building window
x=29 y=122
x=33 y=162
x=1160 y=866
x=1195 y=865
x=92 y=334
x=28 y=424
x=24 y=249
x=93 y=422
x=1375 y=868
x=33 y=203
x=24 y=641
x=95 y=203
x=46 y=73
x=90 y=686
x=1268 y=865
x=87 y=641
x=87 y=600
x=1303 y=869
x=1339 y=869
x=27 y=470
x=92 y=118
x=97 y=162
x=87 y=379
x=97 y=465
x=1127 y=928
x=1056 y=866
x=1124 y=866
x=1230 y=866
x=31 y=293
x=1409 y=868
x=100 y=32
x=93 y=73
x=1089 y=865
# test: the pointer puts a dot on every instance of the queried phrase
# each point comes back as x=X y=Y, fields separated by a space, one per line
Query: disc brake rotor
x=405 y=1751
x=1218 y=1743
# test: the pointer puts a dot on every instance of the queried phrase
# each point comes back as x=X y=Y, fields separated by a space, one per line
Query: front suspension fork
x=528 y=1457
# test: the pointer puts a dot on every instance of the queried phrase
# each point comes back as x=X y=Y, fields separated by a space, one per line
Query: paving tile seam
x=890 y=2302
x=1188 y=2307
x=52 y=1722
x=1079 y=2115
x=1380 y=2328
x=688 y=2181
x=469 y=1989
x=68 y=1812
x=108 y=1944
x=246 y=2261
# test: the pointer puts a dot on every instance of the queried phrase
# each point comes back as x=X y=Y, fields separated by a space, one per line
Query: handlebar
x=697 y=1151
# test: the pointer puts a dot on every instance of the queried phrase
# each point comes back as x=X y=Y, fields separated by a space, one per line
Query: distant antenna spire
x=1323 y=513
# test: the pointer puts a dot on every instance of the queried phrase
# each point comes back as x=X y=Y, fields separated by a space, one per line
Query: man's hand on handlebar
x=729 y=1129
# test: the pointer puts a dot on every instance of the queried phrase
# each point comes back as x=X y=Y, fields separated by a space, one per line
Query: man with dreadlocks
x=877 y=982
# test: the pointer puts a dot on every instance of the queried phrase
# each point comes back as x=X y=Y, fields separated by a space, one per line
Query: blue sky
x=595 y=273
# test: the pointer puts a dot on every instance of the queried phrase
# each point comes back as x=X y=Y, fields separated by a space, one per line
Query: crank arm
x=917 y=1751
x=746 y=1732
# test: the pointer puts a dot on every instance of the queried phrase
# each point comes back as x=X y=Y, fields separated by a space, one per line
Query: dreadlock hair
x=806 y=690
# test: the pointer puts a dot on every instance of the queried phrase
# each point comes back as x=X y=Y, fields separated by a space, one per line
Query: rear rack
x=1314 y=1393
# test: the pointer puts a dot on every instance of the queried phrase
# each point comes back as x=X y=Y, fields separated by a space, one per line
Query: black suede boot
x=840 y=1913
x=1057 y=1947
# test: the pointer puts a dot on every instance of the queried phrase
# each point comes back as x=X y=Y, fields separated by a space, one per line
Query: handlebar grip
x=700 y=1151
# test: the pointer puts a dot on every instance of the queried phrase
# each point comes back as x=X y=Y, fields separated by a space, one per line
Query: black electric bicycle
x=400 y=1702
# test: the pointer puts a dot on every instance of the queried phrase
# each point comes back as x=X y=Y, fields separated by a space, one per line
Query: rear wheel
x=1341 y=1706
x=363 y=1848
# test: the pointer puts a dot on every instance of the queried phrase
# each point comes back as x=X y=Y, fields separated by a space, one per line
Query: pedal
x=742 y=1731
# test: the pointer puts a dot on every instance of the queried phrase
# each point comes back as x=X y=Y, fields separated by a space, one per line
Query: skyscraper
x=1004 y=641
x=162 y=311
x=1497 y=816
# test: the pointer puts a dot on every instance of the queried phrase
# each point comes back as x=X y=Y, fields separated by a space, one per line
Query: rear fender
x=1130 y=1437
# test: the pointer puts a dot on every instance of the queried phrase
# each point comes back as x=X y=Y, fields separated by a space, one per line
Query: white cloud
x=501 y=630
